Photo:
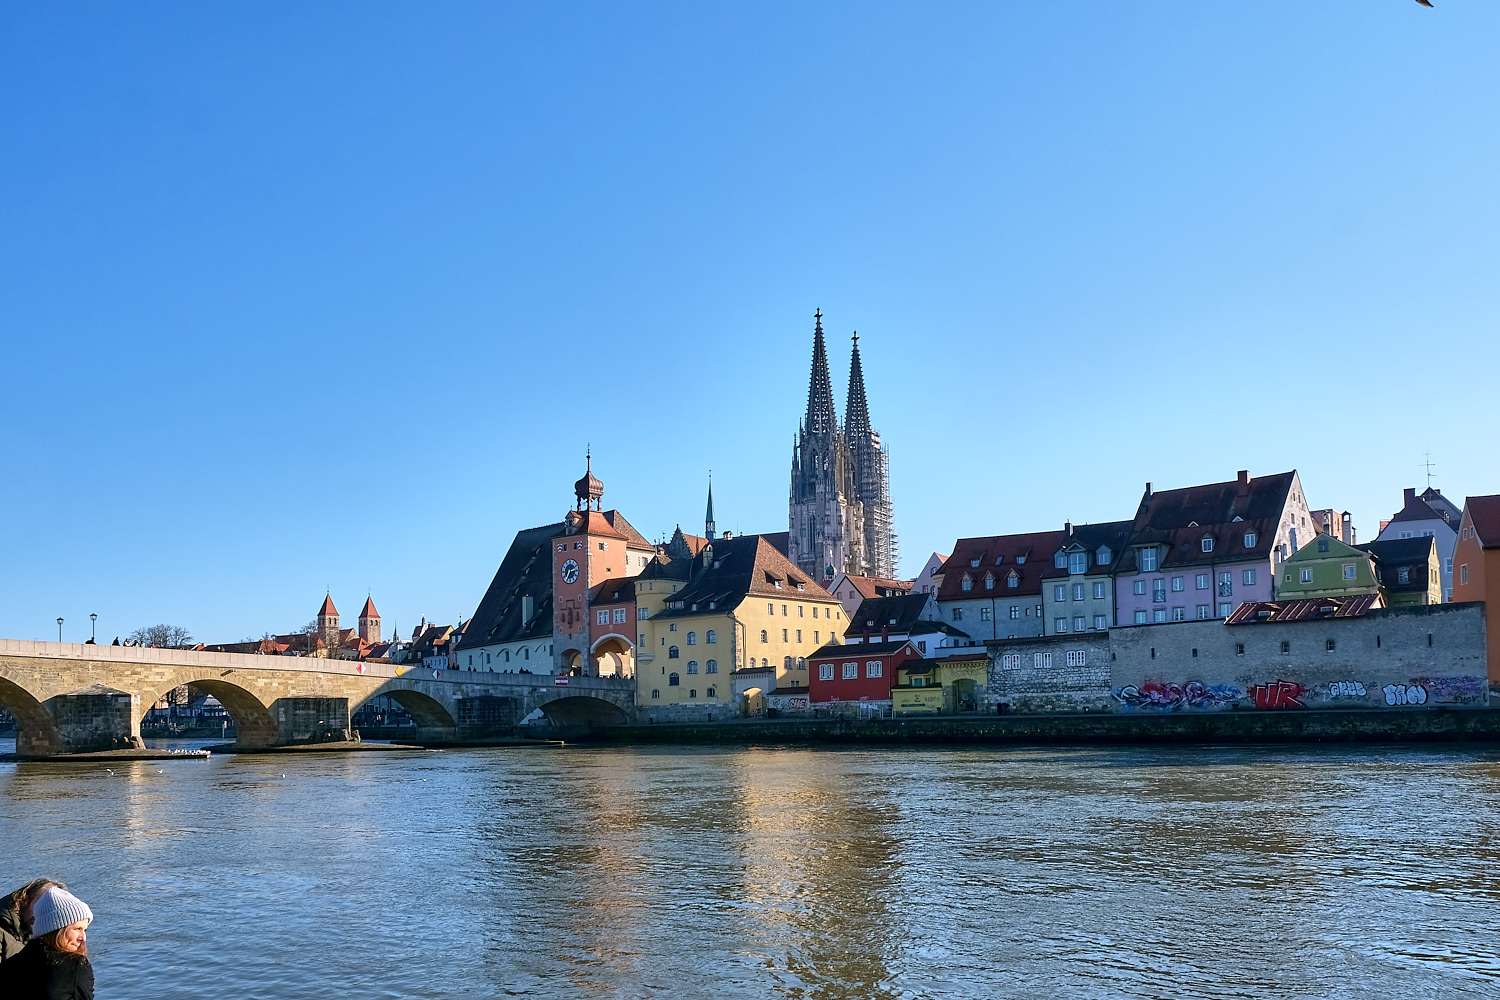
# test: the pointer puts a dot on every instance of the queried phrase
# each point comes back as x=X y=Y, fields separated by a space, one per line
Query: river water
x=697 y=872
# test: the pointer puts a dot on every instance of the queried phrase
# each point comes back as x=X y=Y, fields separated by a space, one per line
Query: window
x=1225 y=610
x=817 y=636
x=984 y=614
x=1286 y=647
x=966 y=583
x=710 y=637
x=1140 y=617
x=1348 y=571
x=1239 y=649
x=783 y=611
x=764 y=636
x=1140 y=588
x=1100 y=621
x=815 y=611
x=783 y=635
x=1079 y=623
x=1201 y=581
x=656 y=692
x=799 y=635
x=642 y=613
x=602 y=618
x=851 y=671
x=1103 y=556
x=958 y=614
x=673 y=681
x=1307 y=576
x=1098 y=591
x=1059 y=625
x=713 y=692
x=1204 y=611
x=1159 y=615
x=825 y=671
x=989 y=582
x=1010 y=661
x=672 y=627
x=1060 y=560
x=1250 y=539
x=1076 y=657
x=692 y=638
x=1328 y=645
x=786 y=663
x=1148 y=560
x=1463 y=573
x=872 y=668
x=800 y=608
x=1226 y=584
x=1059 y=593
x=1207 y=543
x=1322 y=545
x=603 y=546
x=1179 y=614
x=1403 y=575
x=671 y=652
x=619 y=616
x=770 y=609
x=1078 y=562
x=1014 y=580
x=801 y=663
x=1077 y=591
x=1041 y=661
x=693 y=693
x=711 y=667
x=1448 y=564
x=692 y=666
x=1177 y=584
x=1158 y=591
x=1015 y=610
x=1249 y=577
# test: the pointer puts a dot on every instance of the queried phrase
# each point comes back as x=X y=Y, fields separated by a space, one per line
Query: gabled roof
x=526 y=570
x=1027 y=555
x=592 y=522
x=368 y=611
x=894 y=614
x=1226 y=512
x=831 y=651
x=1445 y=508
x=1415 y=508
x=1091 y=537
x=781 y=541
x=874 y=586
x=635 y=539
x=1484 y=515
x=1309 y=609
x=328 y=610
x=739 y=567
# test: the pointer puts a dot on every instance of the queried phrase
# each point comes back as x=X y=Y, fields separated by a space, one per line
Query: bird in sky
x=1424 y=3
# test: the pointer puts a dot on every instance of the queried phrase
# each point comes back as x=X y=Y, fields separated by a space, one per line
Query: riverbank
x=1396 y=726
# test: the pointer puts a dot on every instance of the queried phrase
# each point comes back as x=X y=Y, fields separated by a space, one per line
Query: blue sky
x=297 y=297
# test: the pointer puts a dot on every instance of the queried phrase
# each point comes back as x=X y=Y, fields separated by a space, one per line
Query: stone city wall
x=1060 y=673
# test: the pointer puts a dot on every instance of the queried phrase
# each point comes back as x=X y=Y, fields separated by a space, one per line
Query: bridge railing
x=303 y=664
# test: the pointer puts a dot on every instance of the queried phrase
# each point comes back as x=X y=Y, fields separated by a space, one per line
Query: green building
x=1327 y=567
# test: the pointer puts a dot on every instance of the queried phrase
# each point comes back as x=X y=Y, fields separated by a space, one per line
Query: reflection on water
x=777 y=873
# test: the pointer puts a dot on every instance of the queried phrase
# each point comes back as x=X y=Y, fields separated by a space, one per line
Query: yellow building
x=734 y=604
x=949 y=685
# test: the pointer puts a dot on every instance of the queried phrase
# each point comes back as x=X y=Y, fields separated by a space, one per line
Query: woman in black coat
x=15 y=916
x=54 y=965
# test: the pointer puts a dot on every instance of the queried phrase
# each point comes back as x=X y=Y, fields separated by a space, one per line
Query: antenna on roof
x=1429 y=466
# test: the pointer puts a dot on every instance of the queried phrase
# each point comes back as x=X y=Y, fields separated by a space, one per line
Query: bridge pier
x=90 y=719
x=308 y=720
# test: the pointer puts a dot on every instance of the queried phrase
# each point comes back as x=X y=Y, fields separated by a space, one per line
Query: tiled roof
x=1393 y=554
x=526 y=570
x=833 y=652
x=368 y=611
x=1414 y=508
x=1445 y=508
x=1181 y=519
x=592 y=522
x=327 y=609
x=781 y=541
x=1484 y=515
x=874 y=586
x=1090 y=538
x=739 y=567
x=897 y=614
x=1309 y=609
x=615 y=590
x=1028 y=555
x=617 y=521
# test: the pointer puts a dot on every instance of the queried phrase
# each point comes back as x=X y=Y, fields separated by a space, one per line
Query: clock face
x=570 y=571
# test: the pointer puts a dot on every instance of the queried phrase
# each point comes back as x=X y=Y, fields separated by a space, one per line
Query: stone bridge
x=71 y=697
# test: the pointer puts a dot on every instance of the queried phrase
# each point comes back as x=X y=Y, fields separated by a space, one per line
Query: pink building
x=1202 y=551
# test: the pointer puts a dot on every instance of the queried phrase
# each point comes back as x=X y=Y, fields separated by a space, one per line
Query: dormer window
x=1148 y=560
x=1104 y=555
x=1250 y=539
x=967 y=583
x=989 y=581
x=1020 y=559
x=1014 y=580
x=1078 y=562
x=974 y=563
x=1061 y=561
x=1207 y=543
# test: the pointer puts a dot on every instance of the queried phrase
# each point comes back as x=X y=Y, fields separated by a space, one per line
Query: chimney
x=1068 y=528
x=1346 y=529
x=1148 y=491
x=1409 y=496
x=526 y=608
x=1243 y=479
x=885 y=633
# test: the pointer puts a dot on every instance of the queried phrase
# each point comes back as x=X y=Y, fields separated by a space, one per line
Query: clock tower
x=589 y=551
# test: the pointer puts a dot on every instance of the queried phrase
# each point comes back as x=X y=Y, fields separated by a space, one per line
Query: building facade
x=1079 y=588
x=840 y=512
x=1328 y=567
x=991 y=587
x=1476 y=574
x=1428 y=514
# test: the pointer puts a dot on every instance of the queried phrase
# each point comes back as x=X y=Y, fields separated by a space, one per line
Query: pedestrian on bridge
x=15 y=915
x=54 y=965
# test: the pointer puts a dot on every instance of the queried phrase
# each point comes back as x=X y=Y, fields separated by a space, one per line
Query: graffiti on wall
x=1166 y=697
x=1279 y=694
x=1454 y=690
x=1405 y=694
x=1346 y=689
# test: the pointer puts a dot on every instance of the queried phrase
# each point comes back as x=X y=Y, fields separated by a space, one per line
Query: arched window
x=692 y=638
x=786 y=663
x=671 y=652
x=692 y=666
x=764 y=637
x=711 y=667
x=656 y=692
x=672 y=680
x=801 y=663
x=711 y=637
x=712 y=693
x=764 y=662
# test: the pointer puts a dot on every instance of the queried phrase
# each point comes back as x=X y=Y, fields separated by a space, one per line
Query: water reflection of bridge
x=70 y=697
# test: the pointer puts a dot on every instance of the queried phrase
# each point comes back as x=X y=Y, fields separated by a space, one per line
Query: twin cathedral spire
x=840 y=504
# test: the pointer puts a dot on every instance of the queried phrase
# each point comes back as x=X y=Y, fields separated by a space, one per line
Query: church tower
x=369 y=622
x=328 y=625
x=872 y=476
x=825 y=531
x=708 y=518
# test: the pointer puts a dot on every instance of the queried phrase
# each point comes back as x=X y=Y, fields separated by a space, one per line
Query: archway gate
x=71 y=698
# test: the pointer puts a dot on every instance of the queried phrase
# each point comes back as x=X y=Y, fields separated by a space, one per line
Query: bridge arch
x=614 y=656
x=426 y=711
x=37 y=734
x=583 y=710
x=253 y=723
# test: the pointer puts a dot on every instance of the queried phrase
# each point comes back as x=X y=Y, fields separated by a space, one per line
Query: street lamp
x=59 y=630
x=92 y=619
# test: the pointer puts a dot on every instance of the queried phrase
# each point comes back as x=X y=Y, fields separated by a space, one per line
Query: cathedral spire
x=708 y=520
x=821 y=418
x=856 y=411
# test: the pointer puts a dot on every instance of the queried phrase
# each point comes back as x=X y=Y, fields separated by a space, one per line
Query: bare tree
x=163 y=636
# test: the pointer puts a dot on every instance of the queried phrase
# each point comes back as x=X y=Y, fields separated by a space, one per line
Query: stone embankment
x=1426 y=725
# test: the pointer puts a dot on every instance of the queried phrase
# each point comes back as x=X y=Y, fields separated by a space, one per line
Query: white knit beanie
x=56 y=909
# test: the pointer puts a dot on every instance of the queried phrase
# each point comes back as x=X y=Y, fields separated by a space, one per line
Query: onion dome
x=589 y=488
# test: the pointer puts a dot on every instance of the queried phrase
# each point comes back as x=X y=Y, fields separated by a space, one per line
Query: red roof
x=1484 y=515
x=369 y=609
x=1028 y=556
x=328 y=609
x=1304 y=609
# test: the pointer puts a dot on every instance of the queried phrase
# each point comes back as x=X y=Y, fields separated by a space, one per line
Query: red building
x=861 y=673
